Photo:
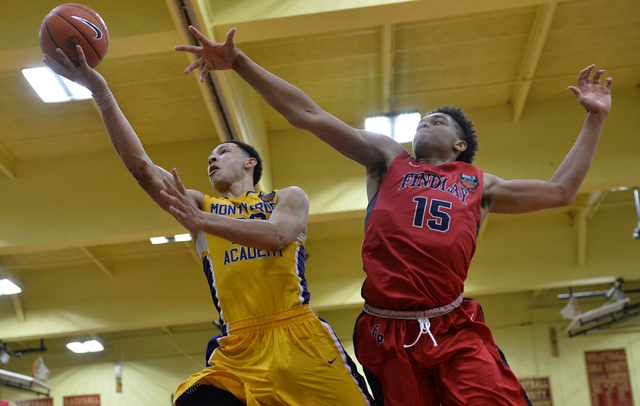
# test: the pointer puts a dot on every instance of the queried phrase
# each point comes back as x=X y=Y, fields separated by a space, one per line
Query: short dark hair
x=251 y=152
x=465 y=131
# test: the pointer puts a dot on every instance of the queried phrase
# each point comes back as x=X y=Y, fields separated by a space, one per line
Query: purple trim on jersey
x=301 y=258
x=370 y=208
x=351 y=366
x=212 y=345
x=208 y=272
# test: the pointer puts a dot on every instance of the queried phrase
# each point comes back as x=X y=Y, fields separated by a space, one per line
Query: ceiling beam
x=532 y=54
x=17 y=304
x=184 y=14
x=234 y=107
x=7 y=164
x=120 y=47
x=388 y=52
x=280 y=23
x=95 y=260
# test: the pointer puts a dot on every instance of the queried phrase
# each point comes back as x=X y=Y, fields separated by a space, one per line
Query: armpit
x=487 y=201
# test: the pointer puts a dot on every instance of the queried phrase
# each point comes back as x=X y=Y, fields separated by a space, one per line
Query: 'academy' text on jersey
x=436 y=182
x=242 y=253
x=243 y=208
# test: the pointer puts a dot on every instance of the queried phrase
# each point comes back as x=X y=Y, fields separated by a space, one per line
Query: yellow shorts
x=286 y=358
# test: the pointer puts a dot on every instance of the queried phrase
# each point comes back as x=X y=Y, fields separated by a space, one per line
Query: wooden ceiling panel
x=341 y=103
x=472 y=77
x=310 y=49
x=467 y=29
x=468 y=99
x=623 y=79
x=62 y=144
x=355 y=67
x=575 y=14
x=168 y=65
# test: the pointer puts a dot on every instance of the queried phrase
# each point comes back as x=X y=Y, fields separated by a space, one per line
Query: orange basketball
x=74 y=24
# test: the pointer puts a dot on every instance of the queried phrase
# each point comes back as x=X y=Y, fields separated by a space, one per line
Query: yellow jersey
x=247 y=282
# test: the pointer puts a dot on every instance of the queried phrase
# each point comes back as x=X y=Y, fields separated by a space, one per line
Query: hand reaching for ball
x=83 y=75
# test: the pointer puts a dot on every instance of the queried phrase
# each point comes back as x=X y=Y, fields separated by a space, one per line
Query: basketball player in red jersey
x=419 y=341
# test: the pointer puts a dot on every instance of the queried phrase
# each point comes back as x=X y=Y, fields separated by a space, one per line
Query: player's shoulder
x=291 y=192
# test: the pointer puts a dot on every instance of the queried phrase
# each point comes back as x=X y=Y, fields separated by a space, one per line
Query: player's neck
x=436 y=160
x=236 y=189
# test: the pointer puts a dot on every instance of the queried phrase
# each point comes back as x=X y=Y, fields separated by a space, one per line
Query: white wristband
x=104 y=99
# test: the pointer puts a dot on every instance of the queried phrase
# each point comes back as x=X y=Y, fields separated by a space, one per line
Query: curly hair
x=250 y=152
x=465 y=130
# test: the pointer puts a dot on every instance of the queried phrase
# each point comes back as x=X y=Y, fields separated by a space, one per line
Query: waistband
x=413 y=314
x=270 y=321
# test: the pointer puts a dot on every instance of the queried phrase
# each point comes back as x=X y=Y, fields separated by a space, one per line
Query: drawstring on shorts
x=422 y=316
x=425 y=327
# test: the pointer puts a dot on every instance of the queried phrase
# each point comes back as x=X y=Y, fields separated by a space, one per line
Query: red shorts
x=465 y=367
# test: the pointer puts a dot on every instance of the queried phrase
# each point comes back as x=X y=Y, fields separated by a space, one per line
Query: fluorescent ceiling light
x=175 y=238
x=378 y=124
x=399 y=126
x=8 y=288
x=87 y=346
x=53 y=88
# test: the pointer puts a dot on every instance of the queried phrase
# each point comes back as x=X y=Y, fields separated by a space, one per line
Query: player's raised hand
x=213 y=55
x=181 y=204
x=592 y=95
x=83 y=75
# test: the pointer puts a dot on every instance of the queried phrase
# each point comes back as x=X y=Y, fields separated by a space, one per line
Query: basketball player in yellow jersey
x=273 y=350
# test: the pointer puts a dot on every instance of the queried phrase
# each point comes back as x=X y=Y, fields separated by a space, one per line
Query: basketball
x=74 y=24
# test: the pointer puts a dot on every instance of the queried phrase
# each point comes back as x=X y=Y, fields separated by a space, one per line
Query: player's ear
x=460 y=146
x=250 y=163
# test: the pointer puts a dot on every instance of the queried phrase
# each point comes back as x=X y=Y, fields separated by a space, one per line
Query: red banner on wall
x=538 y=391
x=82 y=400
x=35 y=402
x=609 y=378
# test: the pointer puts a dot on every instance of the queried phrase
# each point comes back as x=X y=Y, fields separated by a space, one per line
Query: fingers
x=189 y=48
x=609 y=83
x=179 y=184
x=58 y=68
x=81 y=57
x=596 y=77
x=585 y=75
x=54 y=65
x=230 y=34
x=65 y=59
x=200 y=36
x=584 y=78
x=203 y=74
x=575 y=90
x=194 y=66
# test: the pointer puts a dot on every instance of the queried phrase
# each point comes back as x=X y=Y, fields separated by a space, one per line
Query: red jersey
x=420 y=234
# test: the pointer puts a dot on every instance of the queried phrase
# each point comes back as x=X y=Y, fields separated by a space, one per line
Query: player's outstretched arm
x=368 y=149
x=521 y=196
x=122 y=136
x=287 y=221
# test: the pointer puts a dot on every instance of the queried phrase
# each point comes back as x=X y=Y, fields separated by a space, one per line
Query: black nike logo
x=331 y=362
x=92 y=25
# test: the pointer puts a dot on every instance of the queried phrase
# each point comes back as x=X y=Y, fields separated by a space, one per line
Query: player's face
x=226 y=164
x=436 y=136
